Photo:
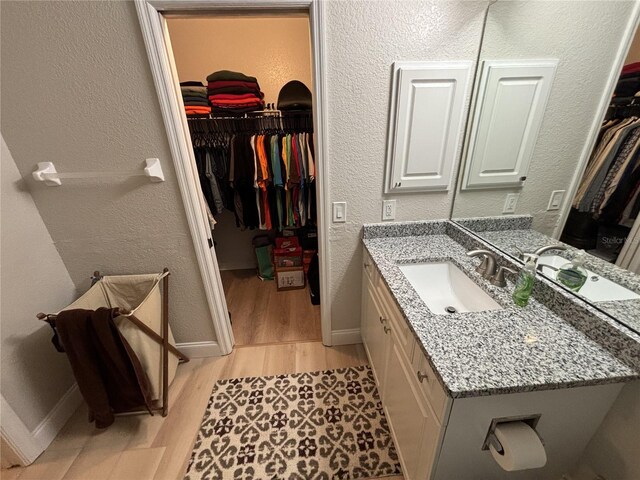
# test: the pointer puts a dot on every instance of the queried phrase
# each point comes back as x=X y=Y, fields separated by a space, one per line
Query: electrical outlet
x=388 y=209
x=555 y=201
x=510 y=203
x=339 y=212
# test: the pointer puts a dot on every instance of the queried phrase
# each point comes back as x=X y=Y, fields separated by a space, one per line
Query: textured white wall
x=364 y=39
x=77 y=90
x=32 y=279
x=585 y=37
x=273 y=49
x=613 y=450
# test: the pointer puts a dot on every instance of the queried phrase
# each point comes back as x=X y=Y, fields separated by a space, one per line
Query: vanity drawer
x=398 y=323
x=429 y=384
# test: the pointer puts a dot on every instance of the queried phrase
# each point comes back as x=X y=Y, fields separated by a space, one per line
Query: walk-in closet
x=604 y=216
x=246 y=83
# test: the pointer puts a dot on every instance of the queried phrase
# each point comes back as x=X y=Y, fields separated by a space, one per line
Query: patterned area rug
x=319 y=425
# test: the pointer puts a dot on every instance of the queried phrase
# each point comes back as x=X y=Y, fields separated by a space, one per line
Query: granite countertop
x=493 y=352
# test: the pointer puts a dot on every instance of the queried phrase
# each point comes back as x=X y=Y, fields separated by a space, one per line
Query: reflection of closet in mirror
x=605 y=207
x=536 y=34
x=234 y=72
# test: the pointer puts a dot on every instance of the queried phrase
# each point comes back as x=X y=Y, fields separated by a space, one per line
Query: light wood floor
x=142 y=447
x=262 y=315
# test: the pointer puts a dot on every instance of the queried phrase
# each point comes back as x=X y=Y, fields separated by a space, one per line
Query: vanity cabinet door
x=408 y=416
x=373 y=334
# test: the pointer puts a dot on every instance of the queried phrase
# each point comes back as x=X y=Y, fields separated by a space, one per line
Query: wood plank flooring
x=142 y=447
x=262 y=315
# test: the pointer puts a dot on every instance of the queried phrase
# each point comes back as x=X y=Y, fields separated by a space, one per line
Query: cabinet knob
x=422 y=376
x=386 y=329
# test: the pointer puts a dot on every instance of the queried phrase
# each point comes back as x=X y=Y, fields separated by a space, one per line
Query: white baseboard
x=346 y=337
x=17 y=435
x=51 y=425
x=200 y=349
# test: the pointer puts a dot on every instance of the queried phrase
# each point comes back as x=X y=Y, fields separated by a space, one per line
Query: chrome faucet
x=546 y=248
x=488 y=266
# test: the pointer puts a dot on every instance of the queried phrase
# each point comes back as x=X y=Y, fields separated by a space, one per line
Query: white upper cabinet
x=509 y=108
x=426 y=124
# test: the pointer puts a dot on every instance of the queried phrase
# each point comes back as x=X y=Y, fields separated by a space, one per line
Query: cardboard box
x=291 y=278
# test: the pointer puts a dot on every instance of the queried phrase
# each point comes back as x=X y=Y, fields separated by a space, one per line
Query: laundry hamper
x=143 y=321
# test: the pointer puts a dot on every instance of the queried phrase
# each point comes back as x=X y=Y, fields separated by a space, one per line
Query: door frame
x=627 y=39
x=158 y=46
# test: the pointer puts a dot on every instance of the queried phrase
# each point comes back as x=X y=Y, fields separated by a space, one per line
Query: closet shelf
x=47 y=173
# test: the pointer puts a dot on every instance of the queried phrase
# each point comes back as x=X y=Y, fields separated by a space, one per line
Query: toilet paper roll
x=522 y=448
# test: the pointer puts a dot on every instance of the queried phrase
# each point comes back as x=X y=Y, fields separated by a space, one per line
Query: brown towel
x=109 y=374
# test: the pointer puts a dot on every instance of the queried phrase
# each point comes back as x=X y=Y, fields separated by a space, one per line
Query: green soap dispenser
x=572 y=274
x=524 y=284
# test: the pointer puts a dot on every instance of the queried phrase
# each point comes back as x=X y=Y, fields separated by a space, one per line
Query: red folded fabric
x=230 y=96
x=197 y=109
x=253 y=106
x=631 y=68
x=235 y=102
x=232 y=83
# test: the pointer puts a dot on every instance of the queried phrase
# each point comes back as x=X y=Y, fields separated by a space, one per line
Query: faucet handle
x=482 y=268
x=498 y=279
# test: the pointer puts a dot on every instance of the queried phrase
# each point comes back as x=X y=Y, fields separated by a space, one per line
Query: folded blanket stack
x=234 y=93
x=194 y=97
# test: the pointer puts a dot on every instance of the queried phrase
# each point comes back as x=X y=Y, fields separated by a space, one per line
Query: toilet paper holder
x=491 y=439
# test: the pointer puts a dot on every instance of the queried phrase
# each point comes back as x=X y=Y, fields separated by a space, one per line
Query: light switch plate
x=510 y=203
x=555 y=200
x=388 y=209
x=339 y=212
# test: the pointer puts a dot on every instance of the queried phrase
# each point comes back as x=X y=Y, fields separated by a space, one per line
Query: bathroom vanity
x=446 y=376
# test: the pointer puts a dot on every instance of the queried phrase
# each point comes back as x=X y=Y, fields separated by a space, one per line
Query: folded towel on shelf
x=240 y=101
x=237 y=90
x=197 y=110
x=191 y=83
x=227 y=96
x=195 y=101
x=226 y=75
x=234 y=92
x=194 y=93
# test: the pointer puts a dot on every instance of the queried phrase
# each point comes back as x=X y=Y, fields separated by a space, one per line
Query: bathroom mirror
x=542 y=115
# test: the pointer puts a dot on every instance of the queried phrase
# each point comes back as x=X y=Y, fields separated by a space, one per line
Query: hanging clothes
x=610 y=185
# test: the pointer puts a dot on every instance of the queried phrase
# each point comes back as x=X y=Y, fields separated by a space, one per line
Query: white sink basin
x=442 y=285
x=597 y=288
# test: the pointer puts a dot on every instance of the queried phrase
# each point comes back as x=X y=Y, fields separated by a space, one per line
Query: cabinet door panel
x=407 y=415
x=373 y=335
x=511 y=101
x=426 y=124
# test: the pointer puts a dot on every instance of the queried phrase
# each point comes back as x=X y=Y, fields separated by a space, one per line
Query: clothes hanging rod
x=257 y=113
x=47 y=173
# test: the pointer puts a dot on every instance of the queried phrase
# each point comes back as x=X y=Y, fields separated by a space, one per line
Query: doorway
x=157 y=37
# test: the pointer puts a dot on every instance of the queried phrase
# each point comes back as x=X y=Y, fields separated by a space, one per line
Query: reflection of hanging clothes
x=610 y=184
x=597 y=170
